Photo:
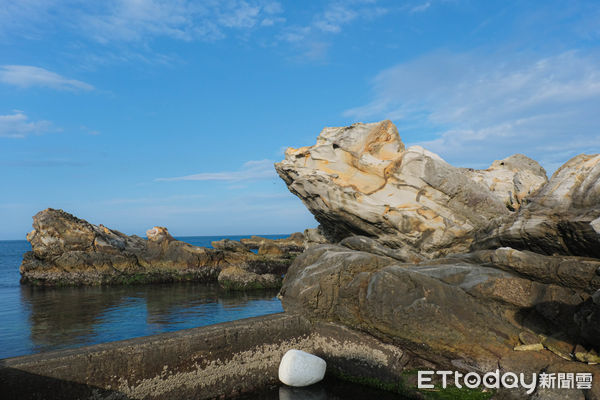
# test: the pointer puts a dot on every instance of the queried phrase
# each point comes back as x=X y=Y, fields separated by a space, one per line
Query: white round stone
x=299 y=368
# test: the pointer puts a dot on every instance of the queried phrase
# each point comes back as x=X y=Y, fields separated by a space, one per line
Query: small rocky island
x=69 y=251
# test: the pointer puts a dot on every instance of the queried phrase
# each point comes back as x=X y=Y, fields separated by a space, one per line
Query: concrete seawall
x=214 y=361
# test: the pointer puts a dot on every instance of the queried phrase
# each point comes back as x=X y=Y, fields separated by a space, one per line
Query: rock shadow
x=574 y=324
x=16 y=384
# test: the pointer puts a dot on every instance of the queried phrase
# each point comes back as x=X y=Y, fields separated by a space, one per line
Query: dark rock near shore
x=67 y=250
x=454 y=312
x=293 y=243
x=229 y=245
x=236 y=278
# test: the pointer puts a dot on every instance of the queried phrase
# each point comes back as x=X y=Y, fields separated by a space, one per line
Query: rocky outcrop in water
x=293 y=243
x=67 y=250
x=463 y=269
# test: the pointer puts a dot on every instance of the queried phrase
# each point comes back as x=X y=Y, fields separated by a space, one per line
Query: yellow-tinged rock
x=529 y=347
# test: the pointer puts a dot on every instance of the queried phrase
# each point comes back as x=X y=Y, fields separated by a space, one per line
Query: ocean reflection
x=70 y=317
x=314 y=392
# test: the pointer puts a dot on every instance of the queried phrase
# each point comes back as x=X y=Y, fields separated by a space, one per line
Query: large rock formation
x=470 y=312
x=70 y=251
x=462 y=269
x=362 y=180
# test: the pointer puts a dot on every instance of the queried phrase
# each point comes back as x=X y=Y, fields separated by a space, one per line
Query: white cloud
x=483 y=107
x=134 y=20
x=27 y=76
x=420 y=8
x=334 y=17
x=310 y=40
x=18 y=125
x=251 y=170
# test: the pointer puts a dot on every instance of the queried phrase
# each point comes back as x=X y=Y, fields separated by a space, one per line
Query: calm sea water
x=34 y=319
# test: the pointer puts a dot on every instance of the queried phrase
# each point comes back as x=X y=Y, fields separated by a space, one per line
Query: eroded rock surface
x=67 y=250
x=292 y=243
x=361 y=180
x=463 y=269
x=465 y=312
x=236 y=278
x=563 y=217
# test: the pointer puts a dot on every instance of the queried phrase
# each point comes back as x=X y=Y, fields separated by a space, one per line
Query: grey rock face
x=561 y=218
x=236 y=278
x=513 y=179
x=314 y=236
x=470 y=307
x=361 y=180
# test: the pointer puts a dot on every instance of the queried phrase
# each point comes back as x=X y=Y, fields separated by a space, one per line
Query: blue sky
x=135 y=113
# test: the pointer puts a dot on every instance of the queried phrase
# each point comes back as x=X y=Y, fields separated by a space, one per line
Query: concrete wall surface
x=220 y=360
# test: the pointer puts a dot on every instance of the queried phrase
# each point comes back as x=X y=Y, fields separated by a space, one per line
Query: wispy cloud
x=310 y=39
x=251 y=170
x=420 y=7
x=134 y=20
x=26 y=76
x=334 y=17
x=18 y=125
x=483 y=107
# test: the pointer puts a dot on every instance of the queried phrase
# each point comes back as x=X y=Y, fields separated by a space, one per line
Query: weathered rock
x=270 y=248
x=529 y=338
x=529 y=347
x=583 y=355
x=363 y=243
x=442 y=311
x=159 y=234
x=70 y=251
x=299 y=368
x=460 y=268
x=236 y=278
x=563 y=217
x=559 y=346
x=291 y=244
x=568 y=271
x=361 y=180
x=314 y=236
x=513 y=179
x=428 y=309
x=229 y=245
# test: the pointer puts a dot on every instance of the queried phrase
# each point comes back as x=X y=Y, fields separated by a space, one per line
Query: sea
x=34 y=319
